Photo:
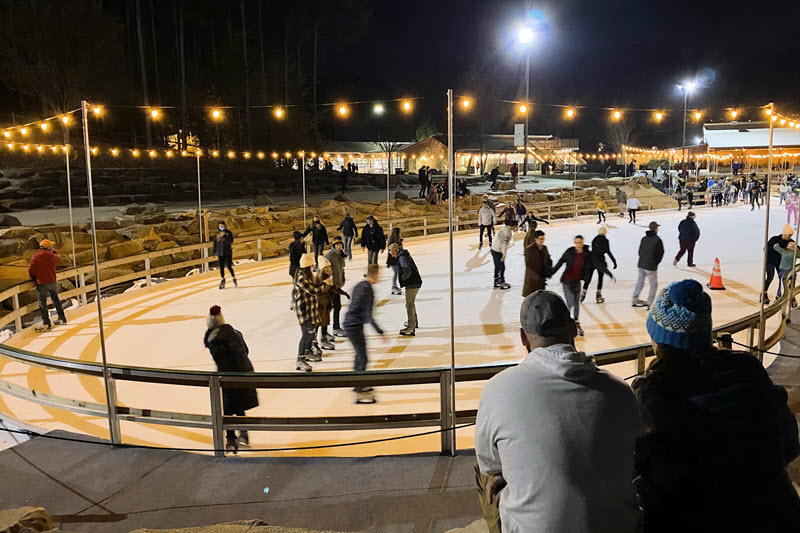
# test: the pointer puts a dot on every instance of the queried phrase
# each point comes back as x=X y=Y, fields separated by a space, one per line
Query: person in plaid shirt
x=304 y=295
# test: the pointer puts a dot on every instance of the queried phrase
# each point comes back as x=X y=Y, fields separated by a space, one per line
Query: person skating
x=509 y=214
x=223 y=249
x=411 y=282
x=304 y=293
x=493 y=175
x=319 y=237
x=522 y=214
x=651 y=252
x=230 y=354
x=325 y=303
x=706 y=410
x=514 y=170
x=600 y=248
x=787 y=261
x=679 y=196
x=688 y=235
x=42 y=270
x=360 y=313
x=499 y=248
x=792 y=208
x=783 y=190
x=391 y=260
x=622 y=202
x=774 y=258
x=532 y=221
x=577 y=261
x=373 y=239
x=349 y=230
x=633 y=205
x=296 y=250
x=336 y=258
x=755 y=194
x=602 y=208
x=537 y=262
x=486 y=220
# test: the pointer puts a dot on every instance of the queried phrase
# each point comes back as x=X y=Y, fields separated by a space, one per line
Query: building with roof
x=369 y=156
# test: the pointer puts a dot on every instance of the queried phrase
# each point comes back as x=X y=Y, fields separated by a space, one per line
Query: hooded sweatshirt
x=502 y=240
x=562 y=432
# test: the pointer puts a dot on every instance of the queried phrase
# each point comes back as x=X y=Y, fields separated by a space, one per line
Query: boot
x=302 y=365
x=243 y=439
x=315 y=349
x=231 y=445
x=235 y=283
x=579 y=328
x=365 y=397
x=583 y=295
x=42 y=328
x=764 y=298
x=222 y=284
x=599 y=297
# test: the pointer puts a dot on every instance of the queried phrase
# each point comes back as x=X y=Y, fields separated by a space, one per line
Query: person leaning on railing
x=719 y=433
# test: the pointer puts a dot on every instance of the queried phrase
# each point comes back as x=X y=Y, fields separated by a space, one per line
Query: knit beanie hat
x=307 y=260
x=787 y=230
x=215 y=318
x=681 y=316
x=322 y=263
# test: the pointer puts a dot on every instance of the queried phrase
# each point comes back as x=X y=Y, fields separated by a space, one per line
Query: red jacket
x=43 y=265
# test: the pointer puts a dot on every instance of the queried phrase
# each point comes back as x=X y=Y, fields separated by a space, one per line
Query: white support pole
x=71 y=223
x=304 y=188
x=113 y=423
x=761 y=314
x=452 y=288
x=200 y=222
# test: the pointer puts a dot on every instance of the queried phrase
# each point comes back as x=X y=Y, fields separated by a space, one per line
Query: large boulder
x=25 y=520
x=124 y=249
x=342 y=198
x=17 y=232
x=107 y=236
x=8 y=220
x=400 y=196
x=504 y=185
x=132 y=209
x=151 y=208
x=262 y=199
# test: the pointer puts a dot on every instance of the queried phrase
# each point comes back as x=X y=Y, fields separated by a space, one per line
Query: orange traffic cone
x=716 y=278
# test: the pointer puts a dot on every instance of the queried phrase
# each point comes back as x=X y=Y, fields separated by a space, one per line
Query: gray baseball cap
x=544 y=313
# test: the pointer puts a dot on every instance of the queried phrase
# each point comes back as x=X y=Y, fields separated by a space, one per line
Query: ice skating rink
x=163 y=327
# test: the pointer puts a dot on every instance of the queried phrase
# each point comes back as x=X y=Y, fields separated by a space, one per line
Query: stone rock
x=164 y=245
x=4 y=184
x=8 y=220
x=105 y=236
x=504 y=185
x=17 y=232
x=108 y=273
x=10 y=247
x=400 y=196
x=124 y=249
x=262 y=199
x=13 y=273
x=342 y=198
x=153 y=208
x=133 y=209
x=25 y=520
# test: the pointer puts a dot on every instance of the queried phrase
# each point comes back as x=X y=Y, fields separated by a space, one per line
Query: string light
x=768 y=111
x=378 y=109
x=734 y=113
x=783 y=121
x=39 y=149
x=184 y=153
x=96 y=110
x=168 y=153
x=697 y=115
x=154 y=113
x=114 y=152
x=231 y=155
x=406 y=106
x=261 y=155
x=43 y=125
x=288 y=155
x=465 y=103
x=216 y=114
x=93 y=150
x=279 y=112
x=65 y=119
x=523 y=108
x=617 y=115
x=215 y=153
x=247 y=155
x=153 y=153
x=135 y=153
x=23 y=131
x=570 y=112
x=274 y=155
x=342 y=109
x=659 y=115
x=7 y=134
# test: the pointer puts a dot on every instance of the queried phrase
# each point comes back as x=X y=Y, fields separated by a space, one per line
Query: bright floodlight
x=378 y=109
x=697 y=140
x=525 y=35
x=690 y=86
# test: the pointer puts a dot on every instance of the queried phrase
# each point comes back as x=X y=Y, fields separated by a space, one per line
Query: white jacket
x=502 y=240
x=486 y=216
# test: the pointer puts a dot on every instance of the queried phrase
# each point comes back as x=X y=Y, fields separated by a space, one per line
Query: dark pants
x=601 y=216
x=489 y=230
x=588 y=280
x=572 y=297
x=308 y=330
x=771 y=271
x=423 y=188
x=632 y=215
x=356 y=337
x=318 y=251
x=499 y=268
x=686 y=246
x=226 y=261
x=680 y=203
x=344 y=187
x=337 y=309
x=227 y=411
x=754 y=199
x=372 y=257
x=42 y=291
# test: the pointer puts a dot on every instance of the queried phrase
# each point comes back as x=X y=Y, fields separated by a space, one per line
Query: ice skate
x=328 y=337
x=302 y=365
x=222 y=284
x=315 y=349
x=407 y=332
x=59 y=322
x=365 y=397
x=325 y=344
x=312 y=357
x=505 y=286
x=675 y=262
x=583 y=295
x=396 y=291
x=338 y=333
x=599 y=297
x=579 y=328
x=42 y=328
x=764 y=298
x=231 y=445
x=235 y=283
x=639 y=303
x=243 y=439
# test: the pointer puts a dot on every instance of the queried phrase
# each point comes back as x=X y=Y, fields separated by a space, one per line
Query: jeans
x=372 y=257
x=306 y=338
x=632 y=215
x=348 y=246
x=782 y=198
x=395 y=276
x=754 y=199
x=572 y=296
x=652 y=275
x=781 y=273
x=42 y=291
x=336 y=299
x=225 y=261
x=411 y=308
x=521 y=222
x=489 y=231
x=680 y=203
x=355 y=335
x=686 y=246
x=499 y=268
x=318 y=251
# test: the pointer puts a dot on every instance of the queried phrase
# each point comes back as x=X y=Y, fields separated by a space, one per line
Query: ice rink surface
x=163 y=327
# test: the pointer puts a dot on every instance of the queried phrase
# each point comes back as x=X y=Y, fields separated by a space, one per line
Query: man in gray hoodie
x=555 y=435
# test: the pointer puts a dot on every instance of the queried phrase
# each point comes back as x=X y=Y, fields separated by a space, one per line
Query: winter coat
x=622 y=197
x=601 y=205
x=537 y=266
x=651 y=251
x=42 y=268
x=304 y=294
x=718 y=437
x=372 y=238
x=773 y=257
x=409 y=273
x=508 y=214
x=688 y=231
x=787 y=256
x=322 y=316
x=521 y=209
x=502 y=240
x=336 y=259
x=392 y=261
x=319 y=236
x=568 y=259
x=348 y=227
x=359 y=312
x=601 y=247
x=230 y=353
x=296 y=250
x=223 y=243
x=486 y=216
x=532 y=221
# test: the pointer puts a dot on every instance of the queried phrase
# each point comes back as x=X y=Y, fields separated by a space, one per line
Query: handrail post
x=456 y=223
x=425 y=226
x=147 y=270
x=725 y=341
x=215 y=392
x=447 y=424
x=259 y=249
x=204 y=264
x=640 y=360
x=17 y=317
x=82 y=285
x=750 y=338
x=116 y=434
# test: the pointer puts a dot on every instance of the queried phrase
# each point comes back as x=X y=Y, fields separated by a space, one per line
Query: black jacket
x=773 y=257
x=568 y=259
x=296 y=250
x=223 y=243
x=601 y=247
x=348 y=227
x=372 y=238
x=319 y=236
x=651 y=251
x=359 y=312
x=409 y=273
x=718 y=437
x=230 y=353
x=688 y=231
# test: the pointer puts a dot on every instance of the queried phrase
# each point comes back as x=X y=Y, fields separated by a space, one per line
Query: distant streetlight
x=686 y=87
x=525 y=35
x=378 y=109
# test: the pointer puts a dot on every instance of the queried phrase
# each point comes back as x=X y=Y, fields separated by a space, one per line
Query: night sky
x=607 y=54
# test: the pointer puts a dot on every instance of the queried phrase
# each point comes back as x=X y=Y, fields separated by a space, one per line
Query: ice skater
x=223 y=249
x=787 y=260
x=296 y=251
x=501 y=243
x=336 y=257
x=522 y=214
x=651 y=252
x=792 y=207
x=622 y=202
x=537 y=262
x=319 y=237
x=774 y=258
x=600 y=248
x=230 y=354
x=391 y=260
x=633 y=205
x=304 y=293
x=532 y=221
x=325 y=304
x=359 y=313
x=688 y=235
x=349 y=230
x=42 y=270
x=411 y=281
x=577 y=262
x=601 y=209
x=373 y=239
x=487 y=218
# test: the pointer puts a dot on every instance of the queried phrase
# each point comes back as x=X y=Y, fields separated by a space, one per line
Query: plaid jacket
x=304 y=294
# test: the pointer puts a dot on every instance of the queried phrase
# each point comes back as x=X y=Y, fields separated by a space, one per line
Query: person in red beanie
x=42 y=270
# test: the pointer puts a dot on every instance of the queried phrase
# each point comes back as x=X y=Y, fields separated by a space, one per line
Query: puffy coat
x=601 y=247
x=223 y=243
x=348 y=227
x=319 y=235
x=336 y=259
x=42 y=268
x=409 y=273
x=230 y=353
x=688 y=231
x=372 y=238
x=651 y=251
x=537 y=266
x=773 y=257
x=296 y=251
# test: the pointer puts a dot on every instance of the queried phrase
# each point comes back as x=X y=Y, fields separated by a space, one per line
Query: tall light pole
x=525 y=36
x=687 y=87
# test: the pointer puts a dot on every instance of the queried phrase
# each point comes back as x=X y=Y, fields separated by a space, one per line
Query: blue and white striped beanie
x=681 y=316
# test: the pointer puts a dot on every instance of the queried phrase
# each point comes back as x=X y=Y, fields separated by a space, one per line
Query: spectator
x=336 y=258
x=651 y=252
x=493 y=177
x=223 y=249
x=679 y=196
x=344 y=178
x=359 y=313
x=411 y=281
x=537 y=262
x=319 y=236
x=578 y=266
x=349 y=230
x=688 y=235
x=373 y=239
x=230 y=354
x=42 y=270
x=423 y=181
x=499 y=248
x=555 y=435
x=719 y=433
x=304 y=293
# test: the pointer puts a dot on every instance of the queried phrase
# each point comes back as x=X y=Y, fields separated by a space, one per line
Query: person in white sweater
x=499 y=247
x=487 y=218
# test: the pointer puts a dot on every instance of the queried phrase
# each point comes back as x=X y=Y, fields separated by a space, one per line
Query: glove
x=615 y=266
x=347 y=296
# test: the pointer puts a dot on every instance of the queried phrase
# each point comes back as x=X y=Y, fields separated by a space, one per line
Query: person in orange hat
x=42 y=270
